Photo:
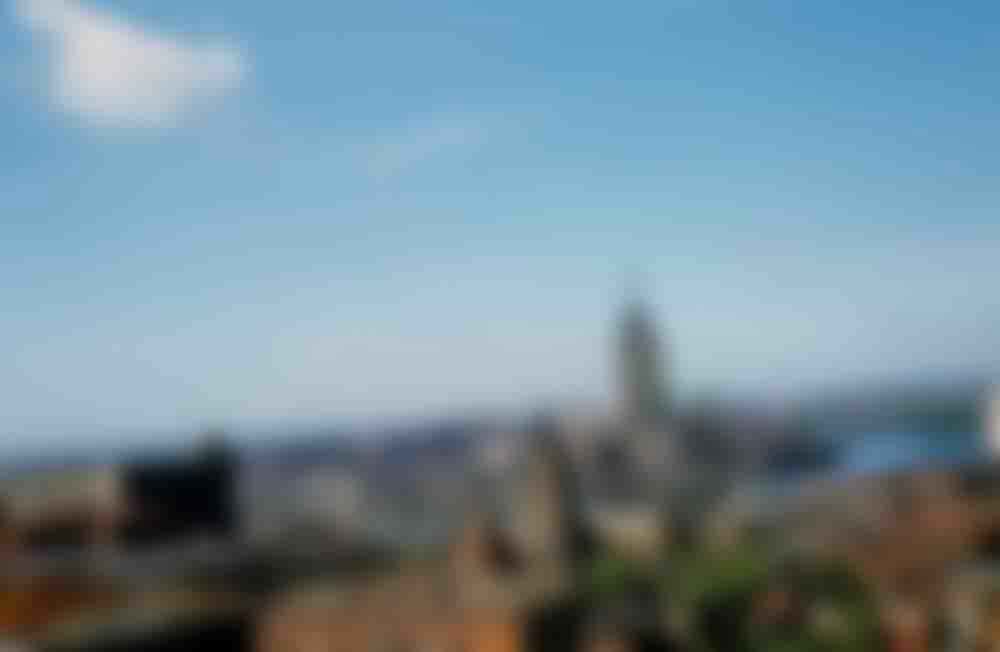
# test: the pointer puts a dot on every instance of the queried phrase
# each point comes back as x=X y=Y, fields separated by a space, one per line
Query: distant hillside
x=398 y=446
x=946 y=406
x=439 y=441
x=304 y=450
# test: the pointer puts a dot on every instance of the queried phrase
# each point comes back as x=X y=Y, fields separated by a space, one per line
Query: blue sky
x=249 y=212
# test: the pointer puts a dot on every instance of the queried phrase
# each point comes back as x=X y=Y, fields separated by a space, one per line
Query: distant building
x=506 y=585
x=973 y=608
x=500 y=589
x=653 y=459
x=991 y=419
x=637 y=532
x=645 y=398
x=546 y=519
x=141 y=503
x=336 y=498
x=63 y=509
x=613 y=476
x=173 y=499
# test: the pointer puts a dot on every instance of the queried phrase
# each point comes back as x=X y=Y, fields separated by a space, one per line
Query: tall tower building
x=644 y=396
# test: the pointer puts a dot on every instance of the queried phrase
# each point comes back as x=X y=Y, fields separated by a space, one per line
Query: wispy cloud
x=423 y=140
x=112 y=72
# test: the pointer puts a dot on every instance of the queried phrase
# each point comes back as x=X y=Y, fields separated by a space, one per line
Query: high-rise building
x=644 y=397
x=657 y=446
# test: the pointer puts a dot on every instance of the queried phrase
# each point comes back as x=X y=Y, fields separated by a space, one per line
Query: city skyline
x=344 y=212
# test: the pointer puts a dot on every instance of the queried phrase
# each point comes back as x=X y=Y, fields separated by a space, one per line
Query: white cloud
x=113 y=72
x=422 y=140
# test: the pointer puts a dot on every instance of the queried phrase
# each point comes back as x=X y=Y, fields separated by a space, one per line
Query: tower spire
x=644 y=397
